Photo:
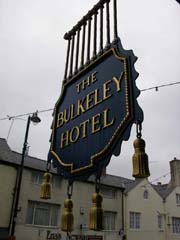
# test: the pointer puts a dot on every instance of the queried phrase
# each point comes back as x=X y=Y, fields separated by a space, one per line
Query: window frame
x=176 y=225
x=108 y=189
x=178 y=199
x=35 y=206
x=111 y=220
x=135 y=220
x=37 y=177
x=160 y=222
x=146 y=194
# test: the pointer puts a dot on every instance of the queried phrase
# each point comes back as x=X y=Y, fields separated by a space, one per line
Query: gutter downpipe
x=123 y=211
x=13 y=202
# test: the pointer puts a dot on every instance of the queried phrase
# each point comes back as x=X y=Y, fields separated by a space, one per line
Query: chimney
x=175 y=172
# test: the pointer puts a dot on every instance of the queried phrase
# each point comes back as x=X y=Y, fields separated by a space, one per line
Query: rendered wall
x=149 y=209
x=7 y=184
x=82 y=194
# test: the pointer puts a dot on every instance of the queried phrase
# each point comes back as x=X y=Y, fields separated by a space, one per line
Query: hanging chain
x=139 y=129
x=97 y=185
x=70 y=189
x=48 y=166
x=69 y=193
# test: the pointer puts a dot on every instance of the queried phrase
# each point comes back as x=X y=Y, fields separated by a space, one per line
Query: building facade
x=133 y=209
x=7 y=179
x=41 y=219
x=153 y=211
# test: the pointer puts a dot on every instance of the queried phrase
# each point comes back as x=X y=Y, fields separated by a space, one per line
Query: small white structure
x=153 y=211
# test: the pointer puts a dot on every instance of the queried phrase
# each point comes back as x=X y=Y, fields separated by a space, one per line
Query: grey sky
x=32 y=62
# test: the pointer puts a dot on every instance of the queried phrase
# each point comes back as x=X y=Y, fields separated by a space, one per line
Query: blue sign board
x=94 y=114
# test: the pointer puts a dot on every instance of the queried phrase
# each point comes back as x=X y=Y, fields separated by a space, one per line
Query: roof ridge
x=107 y=174
x=40 y=159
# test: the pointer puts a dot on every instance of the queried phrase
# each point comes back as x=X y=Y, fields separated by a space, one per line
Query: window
x=160 y=221
x=109 y=219
x=37 y=177
x=43 y=214
x=176 y=225
x=146 y=194
x=135 y=220
x=178 y=198
x=108 y=192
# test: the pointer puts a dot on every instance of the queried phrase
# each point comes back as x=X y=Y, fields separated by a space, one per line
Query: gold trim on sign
x=97 y=155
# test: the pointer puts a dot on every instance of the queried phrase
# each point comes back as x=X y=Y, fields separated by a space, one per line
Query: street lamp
x=35 y=119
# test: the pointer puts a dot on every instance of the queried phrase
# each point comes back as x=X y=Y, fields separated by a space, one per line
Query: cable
x=10 y=129
x=51 y=109
x=163 y=176
x=25 y=114
x=160 y=86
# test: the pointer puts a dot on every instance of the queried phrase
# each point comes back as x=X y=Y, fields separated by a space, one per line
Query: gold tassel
x=46 y=186
x=67 y=220
x=96 y=213
x=140 y=160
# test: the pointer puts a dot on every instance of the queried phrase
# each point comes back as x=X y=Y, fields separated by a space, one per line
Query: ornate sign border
x=121 y=128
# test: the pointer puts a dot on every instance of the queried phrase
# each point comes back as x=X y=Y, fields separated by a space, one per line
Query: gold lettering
x=74 y=134
x=106 y=90
x=78 y=87
x=95 y=122
x=118 y=82
x=72 y=107
x=96 y=96
x=84 y=128
x=60 y=119
x=85 y=83
x=106 y=123
x=93 y=77
x=80 y=108
x=89 y=101
x=66 y=116
x=98 y=122
x=64 y=139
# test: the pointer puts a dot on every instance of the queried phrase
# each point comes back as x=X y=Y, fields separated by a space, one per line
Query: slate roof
x=131 y=184
x=164 y=190
x=6 y=154
x=112 y=181
x=11 y=157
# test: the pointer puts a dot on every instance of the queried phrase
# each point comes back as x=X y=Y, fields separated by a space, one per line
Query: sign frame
x=122 y=133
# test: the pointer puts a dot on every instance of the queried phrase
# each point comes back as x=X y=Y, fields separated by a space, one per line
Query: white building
x=153 y=211
x=133 y=210
x=40 y=219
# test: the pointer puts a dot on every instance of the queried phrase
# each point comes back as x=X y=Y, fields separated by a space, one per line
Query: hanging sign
x=93 y=115
x=98 y=102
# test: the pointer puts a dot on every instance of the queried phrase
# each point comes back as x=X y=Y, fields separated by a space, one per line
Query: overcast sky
x=32 y=60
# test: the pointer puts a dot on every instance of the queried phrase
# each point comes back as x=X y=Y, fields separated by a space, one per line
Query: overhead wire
x=51 y=109
x=25 y=114
x=163 y=176
x=160 y=86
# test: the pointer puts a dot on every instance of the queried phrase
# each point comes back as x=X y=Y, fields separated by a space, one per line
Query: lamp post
x=35 y=119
